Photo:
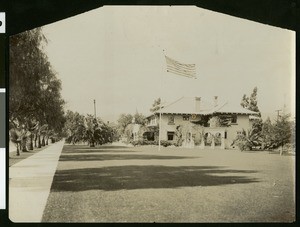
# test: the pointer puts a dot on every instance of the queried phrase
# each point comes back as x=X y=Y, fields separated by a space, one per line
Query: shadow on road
x=143 y=177
x=107 y=157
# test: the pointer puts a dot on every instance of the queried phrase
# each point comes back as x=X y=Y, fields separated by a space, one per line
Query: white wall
x=242 y=123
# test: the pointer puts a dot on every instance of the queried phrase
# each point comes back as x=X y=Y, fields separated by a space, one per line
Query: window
x=234 y=119
x=171 y=120
x=186 y=117
x=170 y=135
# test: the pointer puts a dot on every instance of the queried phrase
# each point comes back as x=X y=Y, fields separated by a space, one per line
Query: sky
x=115 y=55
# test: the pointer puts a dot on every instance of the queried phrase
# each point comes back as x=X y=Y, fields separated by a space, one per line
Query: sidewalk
x=30 y=182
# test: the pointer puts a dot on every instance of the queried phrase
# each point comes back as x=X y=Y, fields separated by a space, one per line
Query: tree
x=74 y=127
x=79 y=128
x=268 y=134
x=156 y=105
x=115 y=132
x=139 y=118
x=123 y=121
x=27 y=73
x=245 y=101
x=250 y=103
x=283 y=131
x=92 y=130
x=34 y=88
x=252 y=138
x=279 y=133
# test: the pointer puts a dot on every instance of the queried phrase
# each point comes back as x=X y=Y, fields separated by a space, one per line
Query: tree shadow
x=100 y=149
x=97 y=151
x=145 y=177
x=107 y=157
x=86 y=147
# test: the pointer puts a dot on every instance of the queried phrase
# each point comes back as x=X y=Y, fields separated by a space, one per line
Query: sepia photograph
x=152 y=114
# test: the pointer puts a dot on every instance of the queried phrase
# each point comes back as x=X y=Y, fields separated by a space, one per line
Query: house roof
x=187 y=105
x=232 y=109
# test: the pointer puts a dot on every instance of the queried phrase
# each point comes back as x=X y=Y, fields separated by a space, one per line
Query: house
x=134 y=131
x=199 y=122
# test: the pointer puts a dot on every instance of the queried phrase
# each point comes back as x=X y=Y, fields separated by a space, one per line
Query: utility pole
x=278 y=115
x=95 y=108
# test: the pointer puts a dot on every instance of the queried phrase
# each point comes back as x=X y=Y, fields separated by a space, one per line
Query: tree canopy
x=35 y=97
x=80 y=128
x=156 y=105
x=250 y=103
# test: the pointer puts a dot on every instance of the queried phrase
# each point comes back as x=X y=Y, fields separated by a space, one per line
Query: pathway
x=30 y=182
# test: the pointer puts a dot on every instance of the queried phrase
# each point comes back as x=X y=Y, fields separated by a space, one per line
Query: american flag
x=187 y=70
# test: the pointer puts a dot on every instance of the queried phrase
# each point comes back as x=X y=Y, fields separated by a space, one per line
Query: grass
x=142 y=184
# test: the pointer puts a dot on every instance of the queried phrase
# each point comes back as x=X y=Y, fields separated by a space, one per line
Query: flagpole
x=160 y=105
x=178 y=68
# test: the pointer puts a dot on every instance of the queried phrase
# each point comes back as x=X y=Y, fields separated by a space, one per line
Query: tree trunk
x=18 y=150
x=43 y=141
x=31 y=142
x=39 y=141
x=23 y=145
x=281 y=150
x=35 y=139
x=46 y=142
x=92 y=143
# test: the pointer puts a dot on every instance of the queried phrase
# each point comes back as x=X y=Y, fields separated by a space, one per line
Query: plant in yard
x=279 y=133
x=252 y=139
x=248 y=140
x=166 y=143
x=178 y=136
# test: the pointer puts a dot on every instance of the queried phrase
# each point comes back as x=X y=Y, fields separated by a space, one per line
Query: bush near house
x=166 y=143
x=268 y=135
x=143 y=142
x=147 y=142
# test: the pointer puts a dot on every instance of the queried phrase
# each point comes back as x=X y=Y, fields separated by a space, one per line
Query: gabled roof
x=187 y=105
x=232 y=109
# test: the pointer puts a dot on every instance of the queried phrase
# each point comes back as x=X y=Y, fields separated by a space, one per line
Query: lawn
x=142 y=184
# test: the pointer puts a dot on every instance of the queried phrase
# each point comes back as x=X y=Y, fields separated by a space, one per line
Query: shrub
x=248 y=141
x=150 y=142
x=167 y=143
x=137 y=143
x=143 y=142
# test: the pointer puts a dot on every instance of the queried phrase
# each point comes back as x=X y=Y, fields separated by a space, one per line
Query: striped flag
x=187 y=70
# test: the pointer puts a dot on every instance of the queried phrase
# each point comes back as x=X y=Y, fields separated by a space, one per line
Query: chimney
x=197 y=104
x=215 y=101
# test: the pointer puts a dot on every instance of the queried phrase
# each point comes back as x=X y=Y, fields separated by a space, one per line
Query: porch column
x=222 y=143
x=212 y=146
x=202 y=143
